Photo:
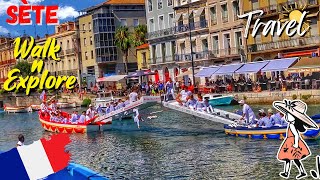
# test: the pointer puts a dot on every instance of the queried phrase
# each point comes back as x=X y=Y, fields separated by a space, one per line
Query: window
x=169 y=2
x=91 y=40
x=84 y=41
x=150 y=5
x=255 y=4
x=84 y=27
x=159 y=4
x=91 y=54
x=313 y=26
x=182 y=48
x=89 y=25
x=161 y=23
x=135 y=22
x=205 y=45
x=213 y=15
x=258 y=37
x=61 y=45
x=238 y=39
x=170 y=20
x=153 y=50
x=151 y=25
x=215 y=44
x=236 y=10
x=163 y=51
x=123 y=22
x=68 y=44
x=224 y=12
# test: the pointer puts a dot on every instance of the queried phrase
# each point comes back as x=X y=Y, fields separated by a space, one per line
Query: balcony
x=70 y=51
x=161 y=60
x=196 y=56
x=275 y=8
x=213 y=21
x=230 y=51
x=161 y=33
x=225 y=19
x=8 y=62
x=193 y=26
x=285 y=44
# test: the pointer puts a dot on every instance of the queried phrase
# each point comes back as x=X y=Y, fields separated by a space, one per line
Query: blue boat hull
x=274 y=132
x=76 y=172
x=220 y=101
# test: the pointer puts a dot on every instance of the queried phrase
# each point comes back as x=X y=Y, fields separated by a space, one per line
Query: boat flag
x=37 y=160
x=43 y=96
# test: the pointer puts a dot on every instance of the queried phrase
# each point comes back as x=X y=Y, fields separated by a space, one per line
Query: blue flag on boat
x=43 y=96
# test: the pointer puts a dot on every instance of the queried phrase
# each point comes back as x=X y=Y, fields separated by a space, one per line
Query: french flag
x=35 y=161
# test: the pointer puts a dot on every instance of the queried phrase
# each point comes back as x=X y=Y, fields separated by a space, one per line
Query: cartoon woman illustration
x=293 y=148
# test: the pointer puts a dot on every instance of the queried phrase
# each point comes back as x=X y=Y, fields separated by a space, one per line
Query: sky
x=68 y=11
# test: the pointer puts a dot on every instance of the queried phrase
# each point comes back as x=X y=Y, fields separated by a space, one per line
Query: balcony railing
x=275 y=8
x=7 y=62
x=225 y=19
x=61 y=53
x=196 y=56
x=193 y=26
x=162 y=59
x=70 y=51
x=297 y=42
x=161 y=33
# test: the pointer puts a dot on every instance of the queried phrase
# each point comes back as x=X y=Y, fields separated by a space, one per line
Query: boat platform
x=143 y=102
x=219 y=116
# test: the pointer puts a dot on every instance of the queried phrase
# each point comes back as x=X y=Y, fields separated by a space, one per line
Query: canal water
x=172 y=146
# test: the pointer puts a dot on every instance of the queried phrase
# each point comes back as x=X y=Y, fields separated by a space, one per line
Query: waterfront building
x=263 y=48
x=161 y=31
x=143 y=56
x=97 y=25
x=7 y=60
x=211 y=31
x=66 y=36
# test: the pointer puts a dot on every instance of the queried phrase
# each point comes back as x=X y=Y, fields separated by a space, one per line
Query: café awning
x=113 y=78
x=207 y=72
x=279 y=64
x=228 y=69
x=306 y=65
x=253 y=67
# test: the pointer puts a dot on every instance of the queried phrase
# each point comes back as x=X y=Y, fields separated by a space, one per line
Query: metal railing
x=161 y=33
x=193 y=26
x=213 y=21
x=294 y=42
x=225 y=19
x=70 y=51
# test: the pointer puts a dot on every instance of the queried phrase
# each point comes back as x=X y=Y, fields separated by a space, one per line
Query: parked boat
x=63 y=105
x=35 y=107
x=76 y=171
x=219 y=100
x=89 y=126
x=21 y=109
x=274 y=132
x=104 y=98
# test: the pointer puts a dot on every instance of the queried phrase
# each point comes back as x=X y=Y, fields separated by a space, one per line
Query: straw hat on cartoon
x=297 y=109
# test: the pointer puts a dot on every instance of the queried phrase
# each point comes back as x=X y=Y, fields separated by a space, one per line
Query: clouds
x=4 y=4
x=65 y=12
x=3 y=30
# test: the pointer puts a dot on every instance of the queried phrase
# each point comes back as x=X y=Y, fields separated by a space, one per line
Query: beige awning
x=176 y=19
x=200 y=10
x=114 y=78
x=306 y=65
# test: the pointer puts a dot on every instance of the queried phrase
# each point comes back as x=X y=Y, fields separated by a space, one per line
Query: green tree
x=123 y=42
x=24 y=67
x=139 y=35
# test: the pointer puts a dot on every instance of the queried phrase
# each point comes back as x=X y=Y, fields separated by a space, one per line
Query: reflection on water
x=173 y=146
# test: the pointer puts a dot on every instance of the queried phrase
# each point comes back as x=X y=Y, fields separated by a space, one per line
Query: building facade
x=143 y=57
x=107 y=59
x=263 y=47
x=66 y=36
x=161 y=38
x=7 y=60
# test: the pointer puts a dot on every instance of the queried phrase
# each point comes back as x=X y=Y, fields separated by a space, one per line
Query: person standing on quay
x=293 y=147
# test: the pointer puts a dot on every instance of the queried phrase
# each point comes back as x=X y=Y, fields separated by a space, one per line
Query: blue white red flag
x=35 y=161
x=43 y=96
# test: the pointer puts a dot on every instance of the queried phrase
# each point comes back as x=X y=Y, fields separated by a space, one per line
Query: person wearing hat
x=264 y=121
x=90 y=112
x=293 y=147
x=272 y=117
x=247 y=113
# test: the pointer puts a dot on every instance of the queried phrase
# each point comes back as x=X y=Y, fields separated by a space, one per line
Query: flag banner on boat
x=37 y=160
